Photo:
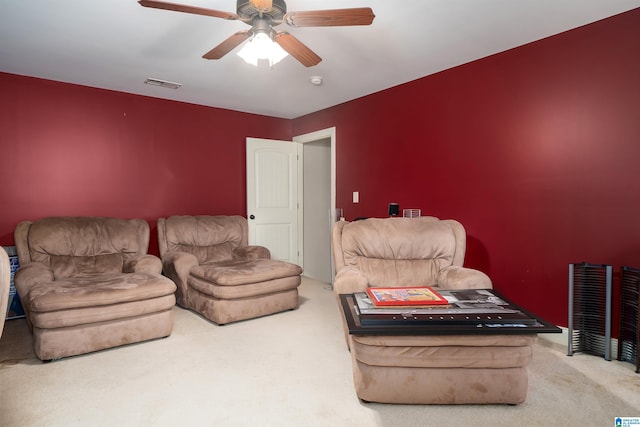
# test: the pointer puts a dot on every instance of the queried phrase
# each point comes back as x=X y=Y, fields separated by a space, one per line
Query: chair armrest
x=350 y=280
x=251 y=252
x=28 y=276
x=143 y=264
x=177 y=266
x=455 y=277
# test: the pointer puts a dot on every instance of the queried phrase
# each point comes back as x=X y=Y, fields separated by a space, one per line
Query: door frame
x=328 y=133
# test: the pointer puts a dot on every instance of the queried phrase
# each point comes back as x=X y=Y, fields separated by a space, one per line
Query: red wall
x=535 y=150
x=74 y=150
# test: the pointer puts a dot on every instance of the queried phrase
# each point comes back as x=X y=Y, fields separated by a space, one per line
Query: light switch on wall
x=356 y=197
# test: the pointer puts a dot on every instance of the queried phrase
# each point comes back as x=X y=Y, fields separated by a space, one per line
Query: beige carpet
x=289 y=369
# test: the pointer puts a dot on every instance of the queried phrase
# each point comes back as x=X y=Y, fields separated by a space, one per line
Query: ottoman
x=441 y=369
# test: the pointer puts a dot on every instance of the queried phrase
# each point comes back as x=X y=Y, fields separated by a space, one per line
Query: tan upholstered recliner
x=218 y=275
x=87 y=284
x=5 y=285
x=427 y=369
x=424 y=251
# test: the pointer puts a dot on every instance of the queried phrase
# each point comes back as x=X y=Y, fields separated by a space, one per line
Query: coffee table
x=482 y=316
x=474 y=354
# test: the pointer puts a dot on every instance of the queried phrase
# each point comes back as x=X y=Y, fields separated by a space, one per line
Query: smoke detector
x=316 y=80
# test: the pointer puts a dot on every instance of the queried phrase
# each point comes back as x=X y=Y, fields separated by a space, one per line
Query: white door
x=272 y=197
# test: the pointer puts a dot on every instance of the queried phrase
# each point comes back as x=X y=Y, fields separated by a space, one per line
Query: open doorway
x=317 y=186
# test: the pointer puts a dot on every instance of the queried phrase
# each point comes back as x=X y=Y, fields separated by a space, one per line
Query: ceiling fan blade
x=297 y=49
x=187 y=9
x=330 y=18
x=228 y=45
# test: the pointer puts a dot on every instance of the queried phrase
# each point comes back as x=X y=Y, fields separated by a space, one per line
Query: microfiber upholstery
x=208 y=238
x=107 y=243
x=424 y=251
x=218 y=274
x=400 y=252
x=425 y=369
x=87 y=283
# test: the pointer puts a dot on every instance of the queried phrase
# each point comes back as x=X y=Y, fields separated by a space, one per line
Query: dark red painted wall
x=74 y=150
x=535 y=150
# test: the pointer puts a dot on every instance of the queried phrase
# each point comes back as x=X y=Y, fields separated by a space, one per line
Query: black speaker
x=394 y=209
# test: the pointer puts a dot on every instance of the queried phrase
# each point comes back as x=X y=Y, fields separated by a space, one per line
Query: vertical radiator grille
x=590 y=309
x=629 y=321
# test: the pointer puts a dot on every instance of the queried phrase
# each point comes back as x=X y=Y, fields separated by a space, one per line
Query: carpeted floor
x=289 y=369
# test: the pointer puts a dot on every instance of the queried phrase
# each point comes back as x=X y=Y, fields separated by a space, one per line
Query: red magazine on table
x=414 y=296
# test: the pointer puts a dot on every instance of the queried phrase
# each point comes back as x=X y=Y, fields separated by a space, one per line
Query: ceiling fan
x=263 y=15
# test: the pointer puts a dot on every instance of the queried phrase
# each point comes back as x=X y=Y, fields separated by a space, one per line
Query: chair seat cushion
x=95 y=315
x=463 y=351
x=95 y=291
x=248 y=290
x=242 y=272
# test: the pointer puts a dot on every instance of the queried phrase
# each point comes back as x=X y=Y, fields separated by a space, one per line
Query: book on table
x=418 y=296
x=473 y=306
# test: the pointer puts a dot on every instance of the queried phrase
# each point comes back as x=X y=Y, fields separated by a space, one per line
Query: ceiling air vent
x=162 y=83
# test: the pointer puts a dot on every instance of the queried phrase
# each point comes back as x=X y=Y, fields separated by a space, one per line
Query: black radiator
x=629 y=322
x=590 y=309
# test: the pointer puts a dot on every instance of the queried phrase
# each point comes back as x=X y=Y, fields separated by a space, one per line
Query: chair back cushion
x=399 y=251
x=82 y=246
x=211 y=238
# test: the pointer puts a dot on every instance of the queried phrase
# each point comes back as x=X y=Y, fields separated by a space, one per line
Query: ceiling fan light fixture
x=261 y=46
x=262 y=16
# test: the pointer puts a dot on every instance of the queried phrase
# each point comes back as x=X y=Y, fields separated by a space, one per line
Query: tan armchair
x=218 y=275
x=87 y=283
x=5 y=285
x=427 y=369
x=424 y=251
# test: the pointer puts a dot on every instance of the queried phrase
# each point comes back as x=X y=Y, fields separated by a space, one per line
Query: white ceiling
x=117 y=44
